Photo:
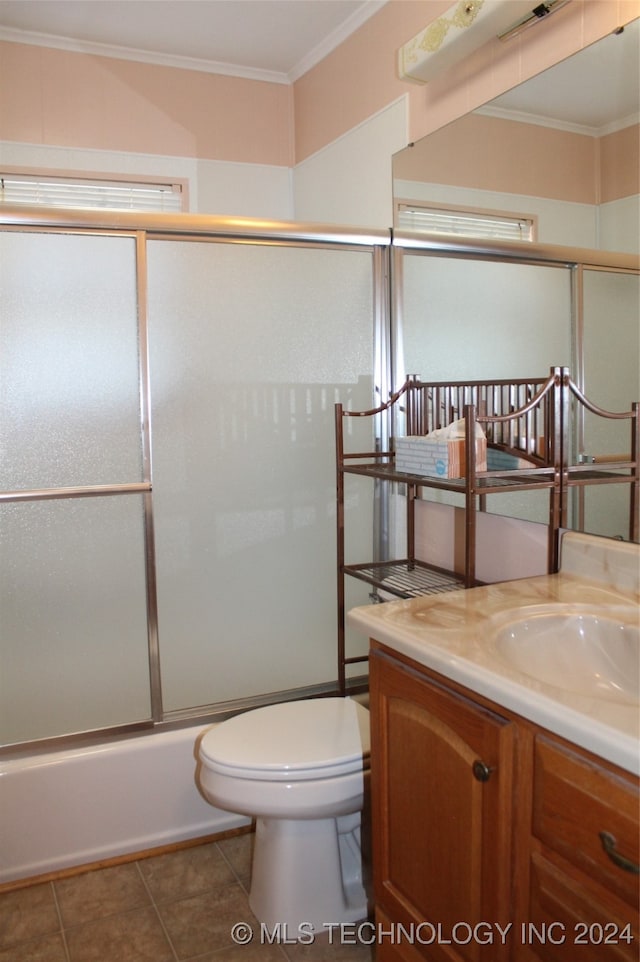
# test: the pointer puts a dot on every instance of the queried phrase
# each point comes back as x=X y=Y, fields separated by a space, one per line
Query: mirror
x=561 y=148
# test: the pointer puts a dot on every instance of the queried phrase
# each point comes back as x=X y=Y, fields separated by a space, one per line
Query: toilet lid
x=292 y=740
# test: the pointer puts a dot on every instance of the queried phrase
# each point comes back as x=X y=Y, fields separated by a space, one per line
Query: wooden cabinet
x=441 y=808
x=492 y=839
x=583 y=857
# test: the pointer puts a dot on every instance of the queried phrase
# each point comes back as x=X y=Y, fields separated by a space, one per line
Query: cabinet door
x=441 y=803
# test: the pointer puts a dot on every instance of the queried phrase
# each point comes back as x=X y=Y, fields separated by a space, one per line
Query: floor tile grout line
x=114 y=915
x=285 y=954
x=117 y=913
x=63 y=934
x=157 y=912
x=235 y=874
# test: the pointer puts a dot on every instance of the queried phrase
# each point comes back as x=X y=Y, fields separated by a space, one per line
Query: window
x=90 y=194
x=465 y=223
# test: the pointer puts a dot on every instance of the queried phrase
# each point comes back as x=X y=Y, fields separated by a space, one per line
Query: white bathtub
x=82 y=805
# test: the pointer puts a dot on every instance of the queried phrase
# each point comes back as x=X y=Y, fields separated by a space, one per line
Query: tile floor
x=176 y=907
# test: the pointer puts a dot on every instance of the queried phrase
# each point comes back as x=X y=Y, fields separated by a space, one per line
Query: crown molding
x=115 y=52
x=333 y=40
x=522 y=117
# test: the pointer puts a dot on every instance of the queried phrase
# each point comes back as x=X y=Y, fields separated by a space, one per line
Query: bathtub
x=78 y=806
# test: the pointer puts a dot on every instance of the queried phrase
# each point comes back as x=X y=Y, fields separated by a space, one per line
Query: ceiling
x=595 y=88
x=263 y=39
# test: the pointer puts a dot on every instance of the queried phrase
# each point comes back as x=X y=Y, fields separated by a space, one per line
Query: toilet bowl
x=299 y=768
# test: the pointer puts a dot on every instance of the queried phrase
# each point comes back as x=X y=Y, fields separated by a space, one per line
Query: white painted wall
x=244 y=190
x=215 y=187
x=620 y=225
x=612 y=227
x=568 y=224
x=350 y=180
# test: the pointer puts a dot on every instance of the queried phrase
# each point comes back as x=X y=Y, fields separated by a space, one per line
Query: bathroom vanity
x=505 y=798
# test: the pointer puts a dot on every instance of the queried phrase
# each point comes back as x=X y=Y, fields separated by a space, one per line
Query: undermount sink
x=591 y=651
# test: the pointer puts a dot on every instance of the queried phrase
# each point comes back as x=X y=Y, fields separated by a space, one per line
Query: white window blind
x=435 y=220
x=90 y=194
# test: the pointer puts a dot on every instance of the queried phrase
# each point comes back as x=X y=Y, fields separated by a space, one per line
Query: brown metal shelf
x=405 y=578
x=531 y=419
x=486 y=482
x=580 y=474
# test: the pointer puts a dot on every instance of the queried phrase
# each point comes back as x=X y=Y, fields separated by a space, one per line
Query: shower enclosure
x=167 y=485
x=167 y=468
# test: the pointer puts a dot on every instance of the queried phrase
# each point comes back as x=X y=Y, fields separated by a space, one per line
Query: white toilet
x=299 y=768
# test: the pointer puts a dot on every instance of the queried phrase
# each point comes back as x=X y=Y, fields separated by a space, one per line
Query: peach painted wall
x=508 y=157
x=55 y=97
x=619 y=177
x=359 y=78
x=473 y=153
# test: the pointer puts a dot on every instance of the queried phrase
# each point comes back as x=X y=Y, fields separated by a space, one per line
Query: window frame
x=178 y=186
x=471 y=213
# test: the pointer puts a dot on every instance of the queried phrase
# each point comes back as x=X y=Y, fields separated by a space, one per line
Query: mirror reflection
x=465 y=318
x=558 y=156
x=560 y=151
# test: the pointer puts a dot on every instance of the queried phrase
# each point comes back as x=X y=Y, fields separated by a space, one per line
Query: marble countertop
x=452 y=634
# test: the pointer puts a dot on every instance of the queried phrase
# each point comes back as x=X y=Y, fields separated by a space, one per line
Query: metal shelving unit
x=527 y=422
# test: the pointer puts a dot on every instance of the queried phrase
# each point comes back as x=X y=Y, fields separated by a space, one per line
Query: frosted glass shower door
x=472 y=319
x=464 y=319
x=611 y=345
x=73 y=629
x=250 y=347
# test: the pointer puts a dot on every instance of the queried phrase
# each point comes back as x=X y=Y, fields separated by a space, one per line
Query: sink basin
x=591 y=651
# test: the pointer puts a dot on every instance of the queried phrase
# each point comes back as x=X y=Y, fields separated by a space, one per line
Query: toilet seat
x=291 y=741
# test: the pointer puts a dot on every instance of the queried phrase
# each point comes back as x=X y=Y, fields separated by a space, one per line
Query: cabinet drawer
x=574 y=802
x=570 y=923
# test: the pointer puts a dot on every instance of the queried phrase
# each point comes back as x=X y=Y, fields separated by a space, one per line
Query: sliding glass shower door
x=250 y=347
x=184 y=386
x=611 y=380
x=73 y=626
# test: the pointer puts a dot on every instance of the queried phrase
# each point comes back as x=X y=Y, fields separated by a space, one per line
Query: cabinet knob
x=481 y=771
x=609 y=845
